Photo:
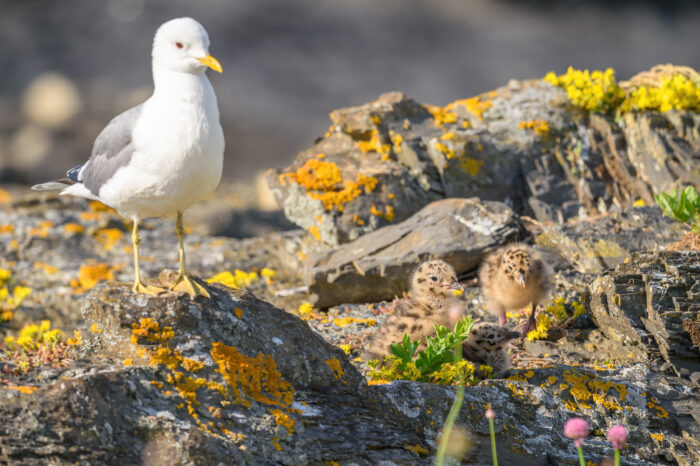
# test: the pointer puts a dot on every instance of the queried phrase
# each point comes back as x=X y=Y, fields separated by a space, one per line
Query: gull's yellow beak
x=212 y=63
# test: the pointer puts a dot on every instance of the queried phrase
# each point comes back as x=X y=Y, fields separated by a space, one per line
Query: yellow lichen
x=73 y=228
x=252 y=378
x=90 y=275
x=417 y=449
x=42 y=231
x=389 y=214
x=237 y=279
x=313 y=229
x=324 y=182
x=342 y=322
x=658 y=437
x=283 y=419
x=470 y=165
x=108 y=237
x=335 y=366
x=541 y=127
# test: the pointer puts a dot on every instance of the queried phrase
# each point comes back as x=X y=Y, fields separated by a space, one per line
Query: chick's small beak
x=522 y=279
x=211 y=62
x=453 y=286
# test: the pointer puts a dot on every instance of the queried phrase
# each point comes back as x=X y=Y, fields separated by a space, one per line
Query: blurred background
x=68 y=67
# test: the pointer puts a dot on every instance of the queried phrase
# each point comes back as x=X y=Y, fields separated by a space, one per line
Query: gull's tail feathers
x=57 y=185
x=67 y=188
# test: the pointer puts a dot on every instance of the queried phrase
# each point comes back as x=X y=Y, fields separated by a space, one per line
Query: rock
x=383 y=161
x=61 y=246
x=377 y=265
x=663 y=147
x=596 y=244
x=235 y=380
x=645 y=302
x=521 y=144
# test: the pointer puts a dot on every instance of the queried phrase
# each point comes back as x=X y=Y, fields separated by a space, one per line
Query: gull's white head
x=182 y=45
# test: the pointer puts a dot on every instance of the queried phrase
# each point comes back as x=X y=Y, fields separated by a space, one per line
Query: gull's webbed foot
x=141 y=288
x=188 y=285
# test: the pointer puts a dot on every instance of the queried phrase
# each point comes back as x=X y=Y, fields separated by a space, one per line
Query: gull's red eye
x=178 y=45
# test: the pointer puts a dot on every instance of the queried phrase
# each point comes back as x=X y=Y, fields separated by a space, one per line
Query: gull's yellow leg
x=184 y=282
x=139 y=286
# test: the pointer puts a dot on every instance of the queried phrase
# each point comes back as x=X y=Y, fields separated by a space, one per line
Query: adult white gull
x=164 y=155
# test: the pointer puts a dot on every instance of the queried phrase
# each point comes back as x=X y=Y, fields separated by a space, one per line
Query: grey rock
x=644 y=303
x=377 y=265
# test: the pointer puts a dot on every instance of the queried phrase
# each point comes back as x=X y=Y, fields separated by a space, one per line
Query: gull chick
x=488 y=344
x=433 y=285
x=165 y=154
x=513 y=277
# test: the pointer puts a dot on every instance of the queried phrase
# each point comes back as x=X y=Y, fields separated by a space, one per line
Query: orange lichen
x=94 y=328
x=378 y=382
x=73 y=228
x=442 y=116
x=76 y=340
x=8 y=228
x=26 y=389
x=91 y=275
x=324 y=182
x=541 y=127
x=358 y=221
x=108 y=237
x=50 y=269
x=585 y=387
x=283 y=419
x=42 y=231
x=128 y=362
x=474 y=105
x=445 y=149
x=389 y=214
x=190 y=365
x=417 y=449
x=252 y=378
x=239 y=312
x=657 y=437
x=313 y=229
x=335 y=366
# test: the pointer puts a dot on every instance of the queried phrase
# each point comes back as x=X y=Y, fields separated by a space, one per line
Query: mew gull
x=164 y=155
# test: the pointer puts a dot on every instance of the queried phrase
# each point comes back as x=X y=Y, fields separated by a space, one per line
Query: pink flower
x=617 y=436
x=576 y=429
x=489 y=413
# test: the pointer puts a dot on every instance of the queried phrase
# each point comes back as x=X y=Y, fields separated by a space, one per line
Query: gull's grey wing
x=112 y=150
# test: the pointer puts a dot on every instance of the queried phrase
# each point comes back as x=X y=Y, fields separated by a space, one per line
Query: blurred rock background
x=69 y=68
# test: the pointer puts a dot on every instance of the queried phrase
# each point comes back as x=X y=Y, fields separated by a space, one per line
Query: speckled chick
x=432 y=295
x=513 y=277
x=487 y=344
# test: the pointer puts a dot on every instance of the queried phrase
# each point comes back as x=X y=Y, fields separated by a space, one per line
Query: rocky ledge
x=267 y=370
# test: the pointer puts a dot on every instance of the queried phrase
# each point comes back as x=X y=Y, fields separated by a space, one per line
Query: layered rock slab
x=377 y=265
x=645 y=302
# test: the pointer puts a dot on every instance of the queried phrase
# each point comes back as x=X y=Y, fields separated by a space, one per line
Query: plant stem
x=494 y=456
x=617 y=457
x=580 y=456
x=452 y=416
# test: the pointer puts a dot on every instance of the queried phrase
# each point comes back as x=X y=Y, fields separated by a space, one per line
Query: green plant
x=683 y=207
x=435 y=364
x=457 y=405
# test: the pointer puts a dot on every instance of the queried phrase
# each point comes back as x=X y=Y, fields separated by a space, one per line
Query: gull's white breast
x=178 y=156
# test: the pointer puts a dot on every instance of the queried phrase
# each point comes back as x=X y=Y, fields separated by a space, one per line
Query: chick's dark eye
x=433 y=278
x=178 y=45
